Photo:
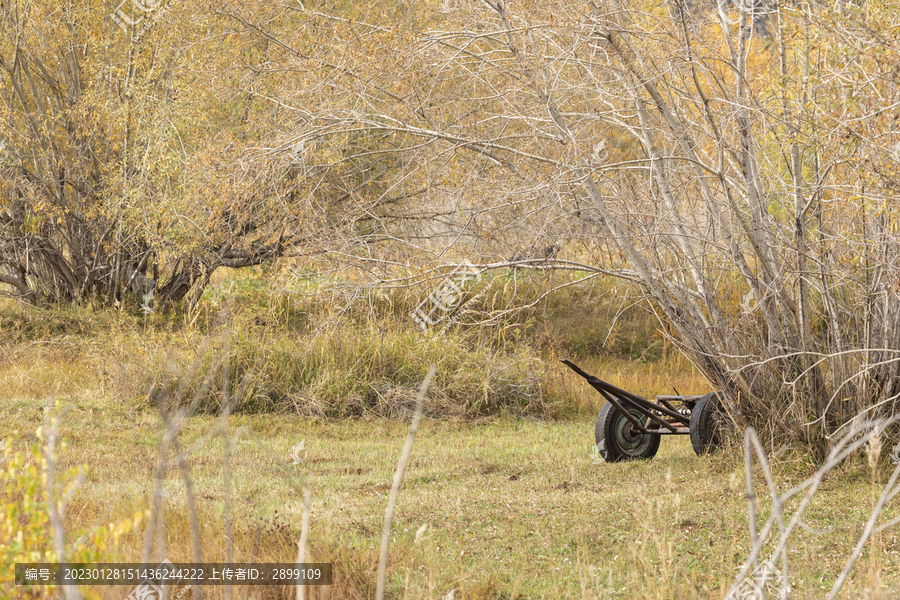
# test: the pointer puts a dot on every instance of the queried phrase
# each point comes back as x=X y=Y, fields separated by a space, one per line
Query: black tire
x=709 y=423
x=618 y=440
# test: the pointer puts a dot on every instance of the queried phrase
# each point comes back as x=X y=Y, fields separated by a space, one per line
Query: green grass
x=512 y=507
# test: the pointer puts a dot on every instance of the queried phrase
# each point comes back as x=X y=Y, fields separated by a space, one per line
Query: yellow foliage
x=26 y=535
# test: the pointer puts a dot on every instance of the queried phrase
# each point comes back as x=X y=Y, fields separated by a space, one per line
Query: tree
x=118 y=172
x=741 y=160
x=707 y=154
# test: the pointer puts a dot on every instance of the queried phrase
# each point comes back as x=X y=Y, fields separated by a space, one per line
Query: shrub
x=26 y=534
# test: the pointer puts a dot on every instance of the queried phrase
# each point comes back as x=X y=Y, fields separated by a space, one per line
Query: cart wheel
x=617 y=439
x=708 y=423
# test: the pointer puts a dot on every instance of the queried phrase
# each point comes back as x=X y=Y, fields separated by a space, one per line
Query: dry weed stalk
x=175 y=413
x=304 y=536
x=398 y=478
x=56 y=502
x=860 y=434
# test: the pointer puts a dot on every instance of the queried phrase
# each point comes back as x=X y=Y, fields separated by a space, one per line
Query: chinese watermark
x=298 y=453
x=764 y=582
x=448 y=295
x=146 y=590
x=144 y=13
x=34 y=574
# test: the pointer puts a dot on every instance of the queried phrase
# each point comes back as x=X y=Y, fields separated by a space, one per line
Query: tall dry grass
x=325 y=350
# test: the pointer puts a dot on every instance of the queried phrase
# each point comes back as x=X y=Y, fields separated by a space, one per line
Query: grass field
x=504 y=496
x=512 y=508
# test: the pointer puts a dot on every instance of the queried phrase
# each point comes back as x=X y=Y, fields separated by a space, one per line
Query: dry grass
x=648 y=379
x=331 y=356
x=511 y=507
x=368 y=378
x=516 y=505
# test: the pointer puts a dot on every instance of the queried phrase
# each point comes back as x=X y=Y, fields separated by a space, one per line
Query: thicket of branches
x=741 y=160
x=746 y=177
x=121 y=167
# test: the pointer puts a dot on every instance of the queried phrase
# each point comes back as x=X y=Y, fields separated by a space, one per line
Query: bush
x=26 y=534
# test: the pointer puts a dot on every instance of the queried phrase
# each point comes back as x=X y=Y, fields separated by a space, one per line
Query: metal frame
x=669 y=415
